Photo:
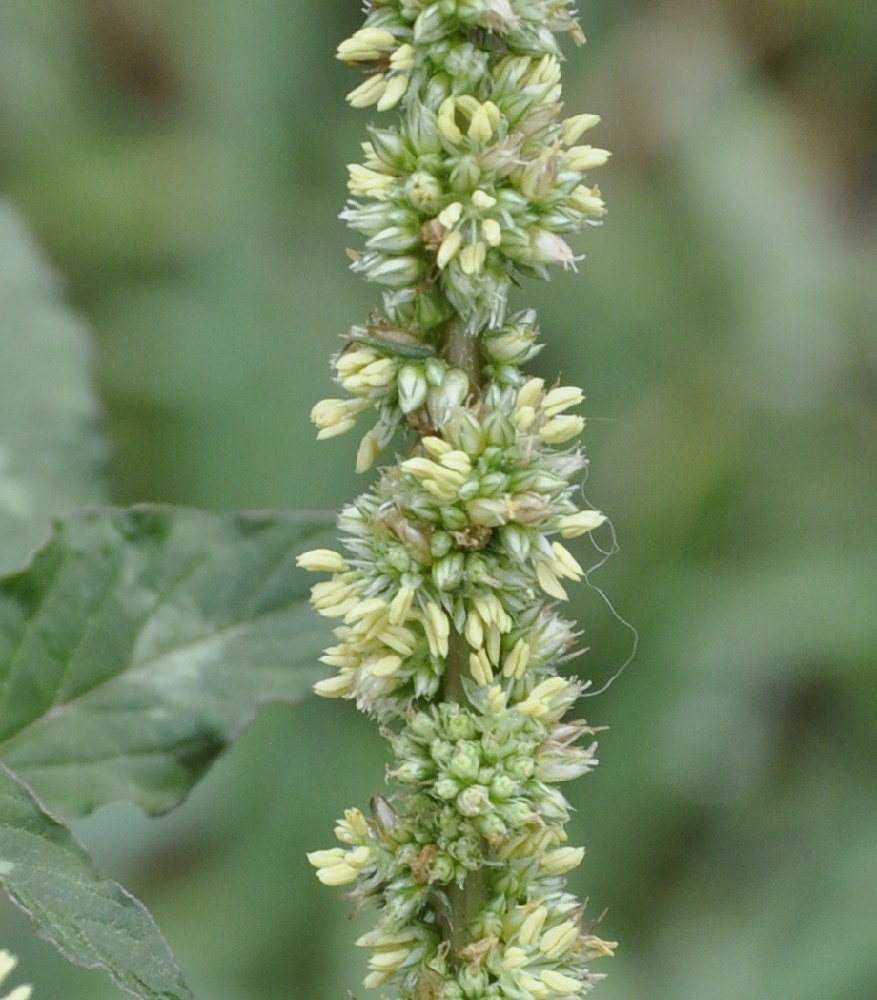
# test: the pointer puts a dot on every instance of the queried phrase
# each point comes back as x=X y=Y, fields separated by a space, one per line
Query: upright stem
x=456 y=665
x=466 y=901
x=464 y=352
x=453 y=228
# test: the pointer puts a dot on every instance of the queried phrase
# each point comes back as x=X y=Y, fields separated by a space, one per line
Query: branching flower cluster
x=446 y=594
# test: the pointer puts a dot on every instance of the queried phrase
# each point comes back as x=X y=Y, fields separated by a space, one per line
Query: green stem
x=464 y=352
x=456 y=665
x=467 y=900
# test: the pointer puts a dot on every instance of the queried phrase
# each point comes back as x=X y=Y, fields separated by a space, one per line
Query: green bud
x=395 y=239
x=435 y=370
x=493 y=483
x=465 y=763
x=490 y=748
x=553 y=806
x=520 y=768
x=469 y=489
x=509 y=374
x=430 y=26
x=446 y=788
x=504 y=786
x=473 y=801
x=538 y=178
x=518 y=814
x=411 y=772
x=512 y=202
x=492 y=827
x=424 y=192
x=412 y=388
x=467 y=65
x=459 y=725
x=441 y=544
x=514 y=347
x=447 y=397
x=422 y=726
x=487 y=512
x=437 y=89
x=465 y=174
x=453 y=519
x=431 y=308
x=478 y=569
x=499 y=431
x=516 y=541
x=447 y=573
x=442 y=873
x=473 y=980
x=464 y=432
x=441 y=751
x=396 y=272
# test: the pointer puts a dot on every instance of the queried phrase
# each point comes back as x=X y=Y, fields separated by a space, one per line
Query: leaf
x=50 y=450
x=140 y=641
x=93 y=922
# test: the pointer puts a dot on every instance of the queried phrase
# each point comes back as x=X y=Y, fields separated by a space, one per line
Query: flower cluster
x=461 y=537
x=396 y=370
x=483 y=177
x=7 y=963
x=452 y=567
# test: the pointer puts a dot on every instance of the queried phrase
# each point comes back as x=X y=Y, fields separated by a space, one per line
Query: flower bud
x=559 y=982
x=396 y=272
x=404 y=58
x=466 y=762
x=504 y=786
x=473 y=800
x=447 y=573
x=573 y=128
x=365 y=45
x=562 y=860
x=454 y=519
x=368 y=92
x=584 y=158
x=573 y=525
x=464 y=432
x=547 y=247
x=446 y=788
x=465 y=174
x=424 y=192
x=412 y=388
x=588 y=201
x=447 y=397
x=561 y=429
x=394 y=239
x=487 y=512
x=560 y=399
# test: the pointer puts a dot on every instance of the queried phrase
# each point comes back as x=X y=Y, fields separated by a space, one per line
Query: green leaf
x=139 y=642
x=50 y=450
x=93 y=922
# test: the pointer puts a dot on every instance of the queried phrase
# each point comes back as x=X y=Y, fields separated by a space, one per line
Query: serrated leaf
x=140 y=641
x=49 y=446
x=93 y=922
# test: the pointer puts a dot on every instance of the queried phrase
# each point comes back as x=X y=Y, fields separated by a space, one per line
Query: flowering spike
x=444 y=599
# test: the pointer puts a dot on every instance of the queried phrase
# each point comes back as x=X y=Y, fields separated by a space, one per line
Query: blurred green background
x=183 y=163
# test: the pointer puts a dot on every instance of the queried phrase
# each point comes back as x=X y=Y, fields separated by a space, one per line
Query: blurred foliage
x=183 y=162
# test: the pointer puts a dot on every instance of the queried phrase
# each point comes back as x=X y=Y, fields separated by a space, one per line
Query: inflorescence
x=446 y=592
